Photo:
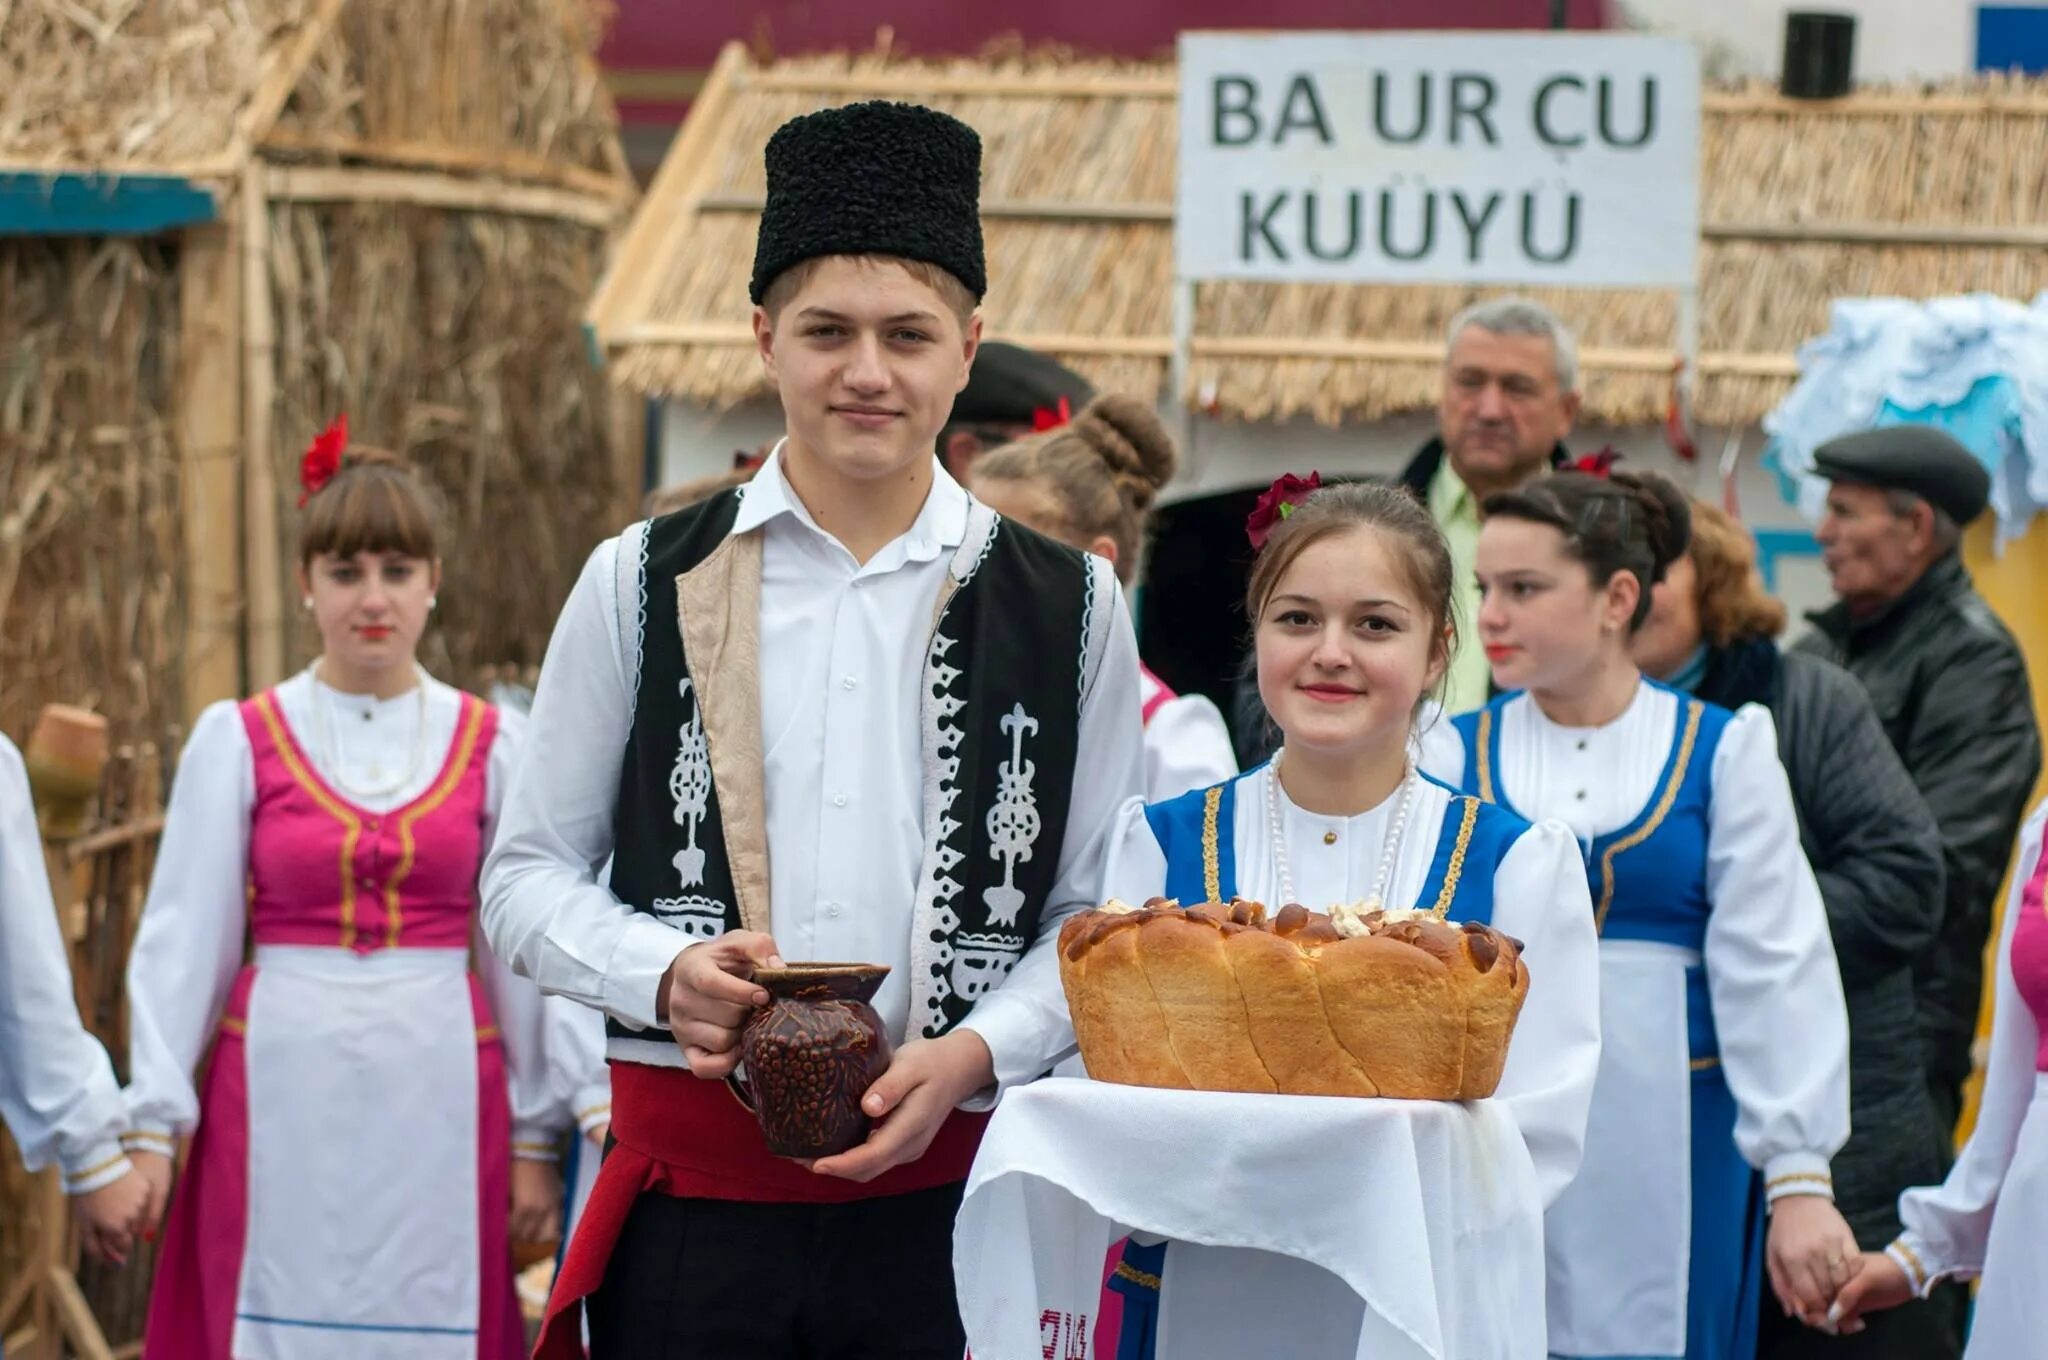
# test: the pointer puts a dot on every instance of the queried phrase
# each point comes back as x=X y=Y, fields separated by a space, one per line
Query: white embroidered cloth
x=1300 y=1225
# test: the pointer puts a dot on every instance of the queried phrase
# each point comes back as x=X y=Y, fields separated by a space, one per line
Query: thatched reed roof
x=1917 y=193
x=194 y=88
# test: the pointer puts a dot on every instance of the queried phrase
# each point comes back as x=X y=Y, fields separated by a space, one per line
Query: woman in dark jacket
x=1873 y=846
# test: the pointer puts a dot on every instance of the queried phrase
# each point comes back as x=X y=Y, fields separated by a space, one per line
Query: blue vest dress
x=1198 y=833
x=1649 y=883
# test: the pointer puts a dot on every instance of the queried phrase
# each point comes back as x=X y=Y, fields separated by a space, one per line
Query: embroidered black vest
x=1006 y=666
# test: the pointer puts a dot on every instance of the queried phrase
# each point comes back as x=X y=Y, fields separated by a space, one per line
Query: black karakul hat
x=873 y=179
x=1930 y=463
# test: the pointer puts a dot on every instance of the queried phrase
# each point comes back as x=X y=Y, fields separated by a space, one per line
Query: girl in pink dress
x=1989 y=1219
x=309 y=1004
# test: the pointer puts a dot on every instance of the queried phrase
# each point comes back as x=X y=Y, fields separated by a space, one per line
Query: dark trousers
x=701 y=1279
x=1946 y=1073
x=1912 y=1331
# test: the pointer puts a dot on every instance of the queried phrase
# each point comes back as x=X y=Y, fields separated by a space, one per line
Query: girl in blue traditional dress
x=1724 y=1038
x=1351 y=607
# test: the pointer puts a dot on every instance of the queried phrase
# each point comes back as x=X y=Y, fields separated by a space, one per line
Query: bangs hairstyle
x=791 y=281
x=1401 y=521
x=373 y=504
x=1635 y=522
x=1733 y=604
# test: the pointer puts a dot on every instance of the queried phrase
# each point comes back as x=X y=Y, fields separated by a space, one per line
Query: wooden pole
x=261 y=565
x=210 y=451
x=328 y=184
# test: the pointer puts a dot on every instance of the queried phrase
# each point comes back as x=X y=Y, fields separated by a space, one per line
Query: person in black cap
x=1948 y=681
x=842 y=712
x=1012 y=392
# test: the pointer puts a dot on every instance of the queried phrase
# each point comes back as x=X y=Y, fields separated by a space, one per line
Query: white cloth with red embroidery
x=1304 y=1226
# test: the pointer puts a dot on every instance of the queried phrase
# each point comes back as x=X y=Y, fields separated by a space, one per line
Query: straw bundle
x=510 y=78
x=90 y=541
x=109 y=83
x=1888 y=192
x=451 y=340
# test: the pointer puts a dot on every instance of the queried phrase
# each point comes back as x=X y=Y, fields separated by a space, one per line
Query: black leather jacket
x=1950 y=687
x=1875 y=851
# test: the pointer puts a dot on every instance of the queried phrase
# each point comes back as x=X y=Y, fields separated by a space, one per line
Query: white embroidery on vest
x=1087 y=630
x=981 y=962
x=689 y=783
x=700 y=918
x=1013 y=823
x=943 y=736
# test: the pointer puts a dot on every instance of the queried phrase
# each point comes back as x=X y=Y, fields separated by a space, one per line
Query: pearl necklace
x=1277 y=836
x=329 y=749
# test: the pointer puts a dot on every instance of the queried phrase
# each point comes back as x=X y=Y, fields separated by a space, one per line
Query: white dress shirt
x=188 y=946
x=1769 y=959
x=57 y=1088
x=842 y=648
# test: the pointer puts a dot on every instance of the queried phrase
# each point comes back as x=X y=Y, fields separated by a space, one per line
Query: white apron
x=363 y=1222
x=1618 y=1242
x=2011 y=1314
x=1309 y=1227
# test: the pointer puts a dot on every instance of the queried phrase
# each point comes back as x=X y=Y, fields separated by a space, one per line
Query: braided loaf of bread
x=1220 y=997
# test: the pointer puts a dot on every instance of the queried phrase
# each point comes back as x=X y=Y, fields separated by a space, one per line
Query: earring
x=307 y=604
x=433 y=602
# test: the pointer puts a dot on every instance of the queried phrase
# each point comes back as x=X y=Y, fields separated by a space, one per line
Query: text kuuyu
x=1401 y=220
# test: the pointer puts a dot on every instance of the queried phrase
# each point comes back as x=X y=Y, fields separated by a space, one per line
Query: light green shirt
x=1452 y=506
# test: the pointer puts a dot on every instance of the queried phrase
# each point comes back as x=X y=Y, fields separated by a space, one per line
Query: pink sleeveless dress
x=347 y=1189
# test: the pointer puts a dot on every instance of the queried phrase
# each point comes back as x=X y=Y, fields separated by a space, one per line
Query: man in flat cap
x=1948 y=681
x=843 y=712
x=1011 y=392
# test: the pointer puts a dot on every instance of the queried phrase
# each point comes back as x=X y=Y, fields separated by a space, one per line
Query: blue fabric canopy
x=1976 y=366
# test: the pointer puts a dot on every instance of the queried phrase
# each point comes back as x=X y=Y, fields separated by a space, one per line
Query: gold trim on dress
x=1706 y=1064
x=232 y=1025
x=486 y=1033
x=91 y=1171
x=1126 y=1271
x=352 y=825
x=1694 y=710
x=1456 y=868
x=1212 y=872
x=1485 y=740
x=458 y=765
x=1921 y=1280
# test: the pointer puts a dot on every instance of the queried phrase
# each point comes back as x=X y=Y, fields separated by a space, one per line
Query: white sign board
x=1566 y=159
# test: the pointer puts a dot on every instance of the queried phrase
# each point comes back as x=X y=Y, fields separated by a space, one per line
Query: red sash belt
x=676 y=1134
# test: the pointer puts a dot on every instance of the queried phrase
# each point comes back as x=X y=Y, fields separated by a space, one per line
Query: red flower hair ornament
x=323 y=459
x=1596 y=464
x=1281 y=500
x=1051 y=417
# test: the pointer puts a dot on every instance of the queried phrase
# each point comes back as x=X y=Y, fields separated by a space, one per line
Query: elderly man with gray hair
x=1510 y=395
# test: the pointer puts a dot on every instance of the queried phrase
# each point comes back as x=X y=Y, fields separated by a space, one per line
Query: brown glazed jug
x=810 y=1054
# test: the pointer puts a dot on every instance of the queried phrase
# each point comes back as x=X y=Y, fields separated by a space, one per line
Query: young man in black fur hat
x=841 y=713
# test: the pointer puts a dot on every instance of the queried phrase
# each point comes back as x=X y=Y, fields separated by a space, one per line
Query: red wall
x=657 y=46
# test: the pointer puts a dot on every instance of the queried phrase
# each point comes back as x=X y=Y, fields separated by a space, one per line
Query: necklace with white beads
x=1277 y=836
x=328 y=747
